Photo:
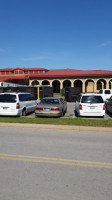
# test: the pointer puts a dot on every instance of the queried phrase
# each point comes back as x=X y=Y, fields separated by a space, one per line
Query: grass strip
x=59 y=121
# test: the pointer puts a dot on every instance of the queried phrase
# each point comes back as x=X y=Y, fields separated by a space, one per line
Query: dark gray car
x=109 y=105
x=51 y=107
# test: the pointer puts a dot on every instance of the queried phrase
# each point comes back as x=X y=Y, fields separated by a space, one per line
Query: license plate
x=92 y=107
x=5 y=108
x=47 y=109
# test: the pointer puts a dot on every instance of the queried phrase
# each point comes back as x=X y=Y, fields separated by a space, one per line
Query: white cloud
x=35 y=58
x=105 y=44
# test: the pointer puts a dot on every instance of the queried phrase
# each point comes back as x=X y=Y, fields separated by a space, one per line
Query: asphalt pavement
x=70 y=112
x=55 y=164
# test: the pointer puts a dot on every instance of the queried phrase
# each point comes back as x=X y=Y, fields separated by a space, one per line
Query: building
x=87 y=80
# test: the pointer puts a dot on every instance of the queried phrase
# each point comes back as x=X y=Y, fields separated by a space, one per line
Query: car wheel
x=76 y=114
x=24 y=112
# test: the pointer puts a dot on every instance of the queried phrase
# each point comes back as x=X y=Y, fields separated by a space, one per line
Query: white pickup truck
x=106 y=94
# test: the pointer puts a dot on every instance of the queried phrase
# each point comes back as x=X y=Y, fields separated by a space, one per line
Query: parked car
x=109 y=105
x=16 y=104
x=90 y=104
x=51 y=107
x=106 y=94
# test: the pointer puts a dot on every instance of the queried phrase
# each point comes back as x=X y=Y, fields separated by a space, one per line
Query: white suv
x=16 y=104
x=90 y=104
x=106 y=94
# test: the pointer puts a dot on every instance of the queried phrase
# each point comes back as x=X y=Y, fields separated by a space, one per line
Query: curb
x=59 y=127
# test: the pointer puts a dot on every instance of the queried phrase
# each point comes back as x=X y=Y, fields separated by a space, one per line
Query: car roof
x=88 y=94
x=14 y=93
x=51 y=98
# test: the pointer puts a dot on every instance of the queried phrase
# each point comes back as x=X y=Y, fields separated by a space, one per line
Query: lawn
x=59 y=121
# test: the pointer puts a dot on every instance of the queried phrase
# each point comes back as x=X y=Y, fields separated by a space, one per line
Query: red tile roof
x=24 y=69
x=73 y=73
x=54 y=73
x=7 y=78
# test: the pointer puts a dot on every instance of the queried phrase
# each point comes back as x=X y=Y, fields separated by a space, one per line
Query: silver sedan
x=51 y=107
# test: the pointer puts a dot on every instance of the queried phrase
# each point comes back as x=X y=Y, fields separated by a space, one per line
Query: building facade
x=87 y=80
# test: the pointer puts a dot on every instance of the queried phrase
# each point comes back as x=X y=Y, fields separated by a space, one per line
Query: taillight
x=39 y=108
x=104 y=107
x=55 y=109
x=80 y=106
x=17 y=106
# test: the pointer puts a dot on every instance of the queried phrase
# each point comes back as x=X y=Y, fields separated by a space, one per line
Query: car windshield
x=50 y=101
x=7 y=98
x=92 y=99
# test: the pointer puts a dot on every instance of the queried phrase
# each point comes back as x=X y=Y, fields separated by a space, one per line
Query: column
x=72 y=84
x=61 y=85
x=83 y=86
x=50 y=83
x=107 y=84
x=95 y=86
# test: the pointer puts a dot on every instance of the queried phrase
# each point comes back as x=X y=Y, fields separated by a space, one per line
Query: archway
x=89 y=86
x=66 y=83
x=35 y=82
x=101 y=84
x=78 y=83
x=45 y=82
x=56 y=86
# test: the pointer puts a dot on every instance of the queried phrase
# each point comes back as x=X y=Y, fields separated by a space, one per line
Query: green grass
x=58 y=95
x=59 y=121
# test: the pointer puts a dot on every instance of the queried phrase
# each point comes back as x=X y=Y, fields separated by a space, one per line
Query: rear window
x=92 y=99
x=50 y=101
x=7 y=98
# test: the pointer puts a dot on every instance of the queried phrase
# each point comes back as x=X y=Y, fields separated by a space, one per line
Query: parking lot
x=70 y=112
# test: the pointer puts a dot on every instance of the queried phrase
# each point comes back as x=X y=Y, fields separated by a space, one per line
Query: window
x=50 y=101
x=26 y=97
x=107 y=91
x=92 y=99
x=7 y=98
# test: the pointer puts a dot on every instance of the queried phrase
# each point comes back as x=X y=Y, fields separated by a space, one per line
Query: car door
x=109 y=105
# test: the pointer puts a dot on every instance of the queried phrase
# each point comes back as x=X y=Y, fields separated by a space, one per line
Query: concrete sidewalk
x=57 y=127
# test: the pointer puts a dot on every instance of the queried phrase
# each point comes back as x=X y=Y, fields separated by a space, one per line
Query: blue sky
x=56 y=34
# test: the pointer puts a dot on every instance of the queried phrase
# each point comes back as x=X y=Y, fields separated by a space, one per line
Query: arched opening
x=78 y=83
x=89 y=86
x=66 y=83
x=101 y=84
x=35 y=82
x=110 y=84
x=56 y=86
x=45 y=82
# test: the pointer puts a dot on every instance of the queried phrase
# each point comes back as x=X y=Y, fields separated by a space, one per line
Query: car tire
x=76 y=114
x=24 y=112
